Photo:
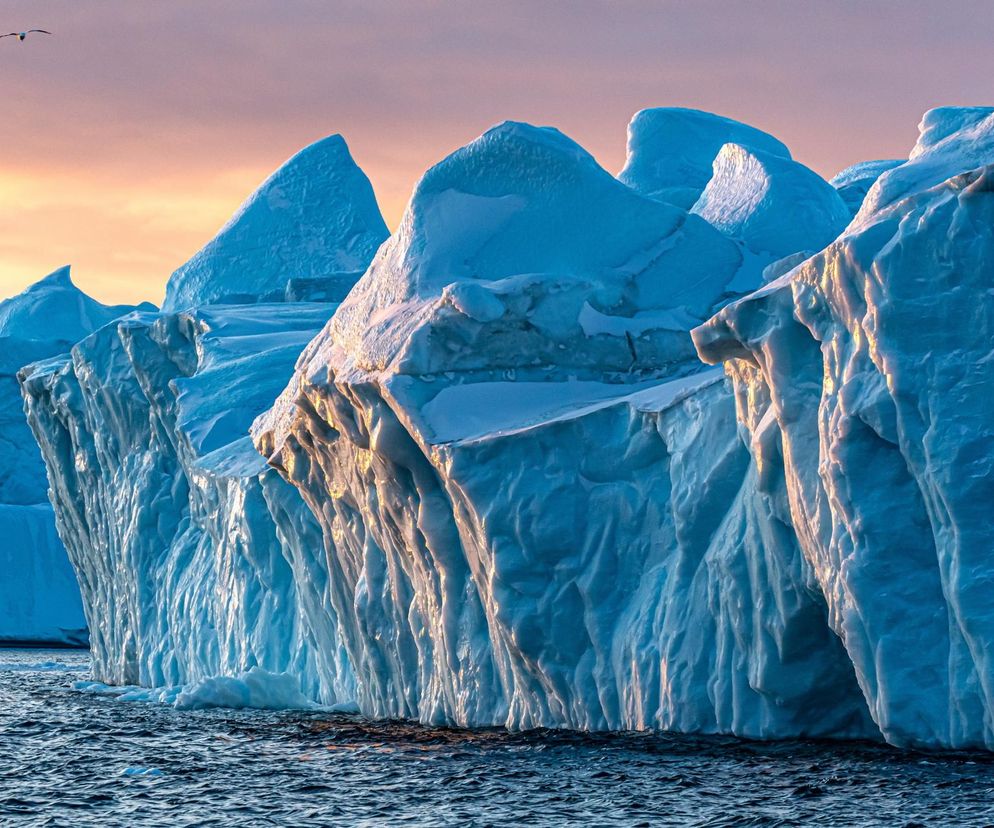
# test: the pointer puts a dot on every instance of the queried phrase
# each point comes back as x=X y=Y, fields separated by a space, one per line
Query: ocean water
x=75 y=759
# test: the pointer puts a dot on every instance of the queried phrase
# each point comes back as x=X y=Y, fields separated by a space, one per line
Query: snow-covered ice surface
x=39 y=598
x=536 y=505
x=865 y=378
x=307 y=233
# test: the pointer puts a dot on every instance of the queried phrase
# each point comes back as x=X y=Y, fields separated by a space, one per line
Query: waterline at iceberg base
x=506 y=490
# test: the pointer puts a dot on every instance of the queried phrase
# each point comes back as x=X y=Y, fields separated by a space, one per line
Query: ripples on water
x=74 y=759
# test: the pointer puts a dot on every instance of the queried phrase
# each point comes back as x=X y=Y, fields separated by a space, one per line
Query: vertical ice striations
x=536 y=509
x=39 y=599
x=307 y=233
x=671 y=151
x=196 y=560
x=167 y=510
x=865 y=376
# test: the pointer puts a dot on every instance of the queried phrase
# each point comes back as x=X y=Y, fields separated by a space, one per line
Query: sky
x=131 y=134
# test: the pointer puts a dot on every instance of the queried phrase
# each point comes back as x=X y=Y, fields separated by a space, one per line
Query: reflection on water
x=75 y=759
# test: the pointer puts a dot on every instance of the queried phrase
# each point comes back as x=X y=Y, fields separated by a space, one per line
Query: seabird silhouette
x=22 y=35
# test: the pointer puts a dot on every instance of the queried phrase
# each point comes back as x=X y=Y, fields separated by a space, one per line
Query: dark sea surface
x=74 y=759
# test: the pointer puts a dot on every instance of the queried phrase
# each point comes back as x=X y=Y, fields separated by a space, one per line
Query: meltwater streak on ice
x=77 y=759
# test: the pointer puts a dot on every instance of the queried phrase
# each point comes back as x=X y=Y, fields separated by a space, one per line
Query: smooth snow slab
x=473 y=410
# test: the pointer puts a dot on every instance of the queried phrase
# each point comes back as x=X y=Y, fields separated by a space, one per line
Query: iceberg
x=854 y=182
x=306 y=234
x=39 y=598
x=535 y=502
x=864 y=377
x=751 y=193
x=167 y=510
x=501 y=482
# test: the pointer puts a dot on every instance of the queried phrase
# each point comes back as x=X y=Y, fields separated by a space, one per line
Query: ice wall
x=39 y=599
x=537 y=511
x=168 y=512
x=865 y=376
x=197 y=561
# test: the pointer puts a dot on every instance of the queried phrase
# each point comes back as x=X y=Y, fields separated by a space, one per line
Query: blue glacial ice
x=166 y=508
x=854 y=182
x=671 y=151
x=864 y=377
x=496 y=484
x=534 y=499
x=307 y=233
x=39 y=598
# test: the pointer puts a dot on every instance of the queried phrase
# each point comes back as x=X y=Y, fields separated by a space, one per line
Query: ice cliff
x=536 y=507
x=166 y=508
x=39 y=598
x=865 y=378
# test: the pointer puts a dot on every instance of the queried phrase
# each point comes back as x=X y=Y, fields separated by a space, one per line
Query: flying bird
x=22 y=35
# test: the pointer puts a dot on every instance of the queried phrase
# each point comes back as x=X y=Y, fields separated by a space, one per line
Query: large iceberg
x=865 y=377
x=166 y=508
x=498 y=486
x=39 y=598
x=536 y=505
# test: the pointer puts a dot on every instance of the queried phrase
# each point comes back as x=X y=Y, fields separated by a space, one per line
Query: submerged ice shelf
x=503 y=488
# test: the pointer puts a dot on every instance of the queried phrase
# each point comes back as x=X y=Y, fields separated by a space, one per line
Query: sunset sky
x=131 y=134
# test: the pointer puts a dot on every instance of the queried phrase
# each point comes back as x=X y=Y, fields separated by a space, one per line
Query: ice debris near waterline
x=505 y=489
